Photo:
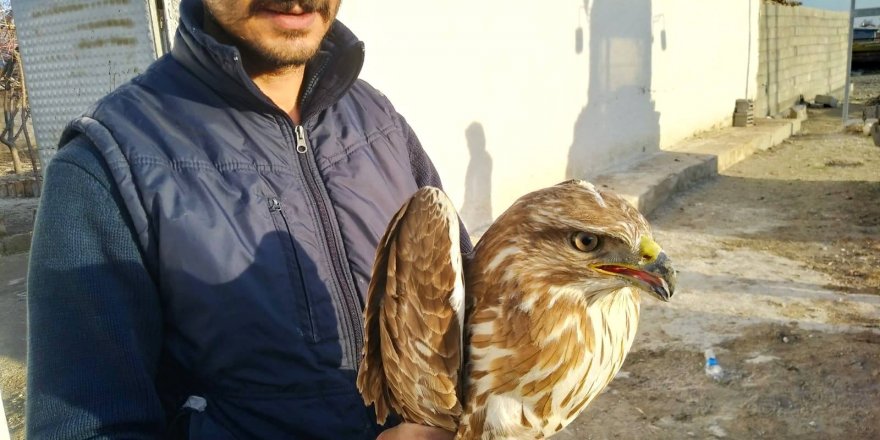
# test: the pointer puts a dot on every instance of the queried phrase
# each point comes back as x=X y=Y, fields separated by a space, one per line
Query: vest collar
x=328 y=75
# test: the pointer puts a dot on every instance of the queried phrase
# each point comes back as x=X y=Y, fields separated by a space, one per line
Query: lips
x=291 y=18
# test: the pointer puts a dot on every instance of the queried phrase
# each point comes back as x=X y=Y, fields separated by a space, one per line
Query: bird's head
x=573 y=239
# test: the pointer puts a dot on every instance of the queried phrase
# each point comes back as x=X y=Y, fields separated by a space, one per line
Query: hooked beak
x=655 y=274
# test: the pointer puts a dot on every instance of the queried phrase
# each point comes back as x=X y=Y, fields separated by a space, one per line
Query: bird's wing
x=414 y=316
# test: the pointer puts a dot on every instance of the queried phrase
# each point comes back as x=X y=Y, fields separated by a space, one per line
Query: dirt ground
x=779 y=262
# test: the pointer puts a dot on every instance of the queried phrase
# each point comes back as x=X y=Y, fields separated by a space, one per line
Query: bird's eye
x=584 y=241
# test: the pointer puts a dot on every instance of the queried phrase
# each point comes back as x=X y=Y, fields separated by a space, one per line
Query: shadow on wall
x=476 y=211
x=619 y=121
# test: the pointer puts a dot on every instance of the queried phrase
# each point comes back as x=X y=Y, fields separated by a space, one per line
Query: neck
x=282 y=85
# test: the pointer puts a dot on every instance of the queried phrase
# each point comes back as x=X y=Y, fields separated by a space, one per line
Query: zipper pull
x=301 y=146
x=274 y=204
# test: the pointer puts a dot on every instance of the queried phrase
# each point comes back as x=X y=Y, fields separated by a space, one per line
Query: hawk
x=515 y=339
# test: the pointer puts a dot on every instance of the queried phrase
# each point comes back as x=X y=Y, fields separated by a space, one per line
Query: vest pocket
x=294 y=268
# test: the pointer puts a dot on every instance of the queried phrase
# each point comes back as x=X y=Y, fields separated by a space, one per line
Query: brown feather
x=412 y=342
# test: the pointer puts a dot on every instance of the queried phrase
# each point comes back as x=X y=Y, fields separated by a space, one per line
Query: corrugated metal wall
x=75 y=52
x=172 y=16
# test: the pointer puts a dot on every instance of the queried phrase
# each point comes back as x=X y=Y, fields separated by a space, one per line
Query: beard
x=285 y=48
x=297 y=52
x=299 y=49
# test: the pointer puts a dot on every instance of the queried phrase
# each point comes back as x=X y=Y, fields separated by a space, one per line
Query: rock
x=855 y=126
x=16 y=244
x=763 y=358
x=867 y=126
x=798 y=112
x=18 y=188
x=875 y=134
x=826 y=100
x=717 y=431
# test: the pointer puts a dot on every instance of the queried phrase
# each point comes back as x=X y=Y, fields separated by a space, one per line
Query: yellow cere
x=649 y=249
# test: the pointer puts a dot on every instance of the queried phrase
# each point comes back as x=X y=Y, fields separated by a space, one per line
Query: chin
x=285 y=51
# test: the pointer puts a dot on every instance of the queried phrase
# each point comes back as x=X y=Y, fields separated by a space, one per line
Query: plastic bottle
x=713 y=370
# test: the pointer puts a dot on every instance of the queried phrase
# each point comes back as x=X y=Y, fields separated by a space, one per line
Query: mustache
x=322 y=7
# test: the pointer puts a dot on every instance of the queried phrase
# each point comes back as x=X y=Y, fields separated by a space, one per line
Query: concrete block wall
x=801 y=51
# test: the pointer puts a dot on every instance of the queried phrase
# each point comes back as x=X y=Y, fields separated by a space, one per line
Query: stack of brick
x=744 y=115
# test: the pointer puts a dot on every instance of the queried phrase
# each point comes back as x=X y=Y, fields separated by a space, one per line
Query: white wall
x=4 y=427
x=710 y=61
x=509 y=96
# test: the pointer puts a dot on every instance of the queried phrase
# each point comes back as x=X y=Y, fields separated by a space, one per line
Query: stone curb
x=24 y=188
x=650 y=182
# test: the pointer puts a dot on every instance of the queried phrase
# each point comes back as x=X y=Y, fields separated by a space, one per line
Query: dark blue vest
x=259 y=234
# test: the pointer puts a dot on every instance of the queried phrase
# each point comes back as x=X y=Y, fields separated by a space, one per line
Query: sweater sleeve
x=426 y=175
x=95 y=323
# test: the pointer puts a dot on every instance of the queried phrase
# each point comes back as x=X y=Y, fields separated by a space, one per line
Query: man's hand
x=411 y=431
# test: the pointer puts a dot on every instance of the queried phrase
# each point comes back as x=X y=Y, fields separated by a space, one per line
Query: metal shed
x=75 y=52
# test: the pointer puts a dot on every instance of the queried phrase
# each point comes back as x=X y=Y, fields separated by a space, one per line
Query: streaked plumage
x=550 y=299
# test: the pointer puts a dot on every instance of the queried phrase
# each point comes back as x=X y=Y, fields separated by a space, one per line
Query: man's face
x=274 y=33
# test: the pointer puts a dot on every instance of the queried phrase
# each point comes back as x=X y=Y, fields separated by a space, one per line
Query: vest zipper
x=342 y=275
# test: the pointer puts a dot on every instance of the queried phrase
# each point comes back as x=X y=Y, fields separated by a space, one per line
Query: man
x=206 y=236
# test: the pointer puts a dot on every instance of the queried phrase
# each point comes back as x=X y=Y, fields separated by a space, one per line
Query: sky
x=841 y=5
